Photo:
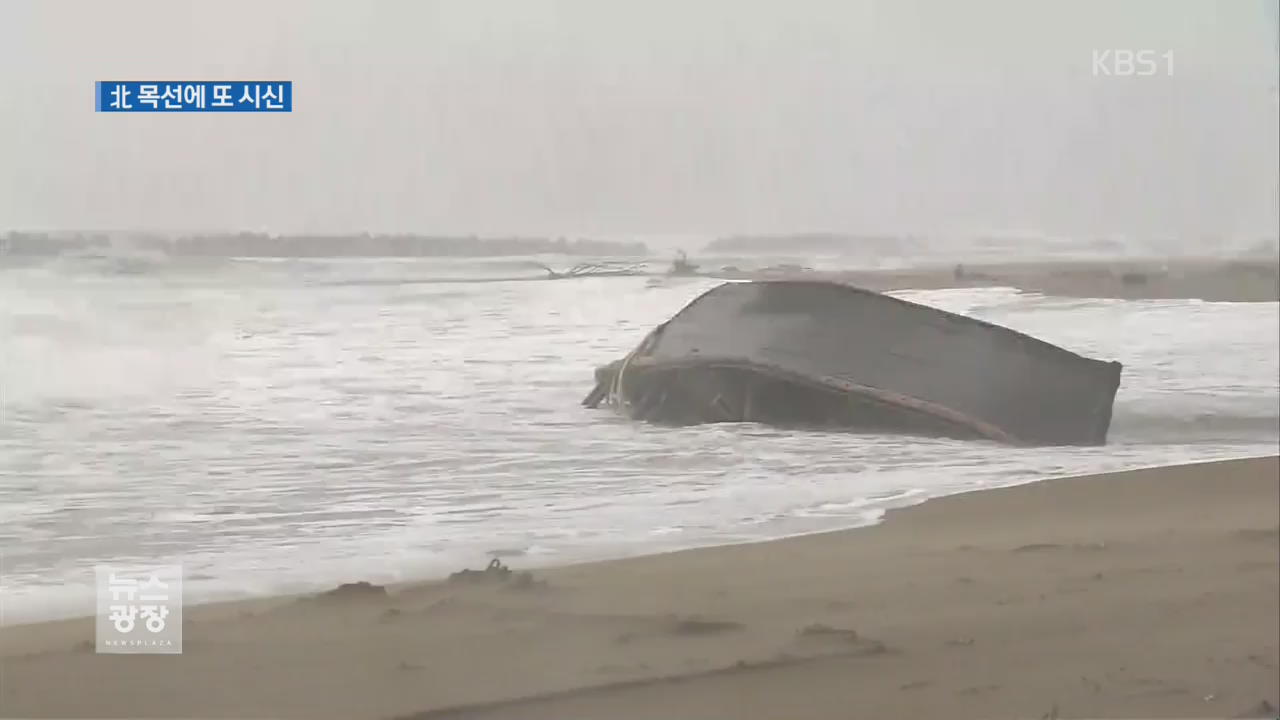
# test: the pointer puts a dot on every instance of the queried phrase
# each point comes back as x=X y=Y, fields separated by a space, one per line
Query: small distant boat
x=823 y=354
x=681 y=267
x=114 y=260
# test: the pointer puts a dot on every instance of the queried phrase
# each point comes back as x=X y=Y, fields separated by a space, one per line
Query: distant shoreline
x=420 y=244
x=260 y=245
x=1252 y=280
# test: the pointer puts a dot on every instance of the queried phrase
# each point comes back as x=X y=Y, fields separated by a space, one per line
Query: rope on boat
x=616 y=396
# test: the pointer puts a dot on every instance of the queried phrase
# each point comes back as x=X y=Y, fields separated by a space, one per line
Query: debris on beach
x=847 y=638
x=497 y=573
x=344 y=593
x=829 y=355
x=352 y=591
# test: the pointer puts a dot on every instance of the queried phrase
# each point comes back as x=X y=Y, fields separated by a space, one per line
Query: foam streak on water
x=280 y=426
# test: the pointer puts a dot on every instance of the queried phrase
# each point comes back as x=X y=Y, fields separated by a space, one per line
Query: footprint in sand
x=978 y=690
x=1036 y=547
x=683 y=627
x=917 y=685
x=694 y=626
x=1268 y=534
x=1042 y=547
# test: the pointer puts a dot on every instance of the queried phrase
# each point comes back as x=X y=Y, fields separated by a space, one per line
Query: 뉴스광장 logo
x=193 y=96
x=139 y=609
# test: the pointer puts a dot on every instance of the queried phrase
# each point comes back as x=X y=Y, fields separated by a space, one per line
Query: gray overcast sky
x=648 y=116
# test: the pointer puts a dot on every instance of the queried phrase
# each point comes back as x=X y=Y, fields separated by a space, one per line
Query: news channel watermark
x=1128 y=62
x=139 y=609
x=112 y=96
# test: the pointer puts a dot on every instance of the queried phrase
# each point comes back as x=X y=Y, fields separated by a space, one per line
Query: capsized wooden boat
x=823 y=354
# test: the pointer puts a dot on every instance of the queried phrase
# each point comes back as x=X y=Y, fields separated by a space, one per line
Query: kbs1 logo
x=1132 y=63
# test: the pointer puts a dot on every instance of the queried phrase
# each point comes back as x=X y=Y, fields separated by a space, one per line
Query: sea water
x=286 y=425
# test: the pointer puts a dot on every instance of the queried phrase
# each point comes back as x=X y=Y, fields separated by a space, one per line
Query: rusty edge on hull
x=611 y=388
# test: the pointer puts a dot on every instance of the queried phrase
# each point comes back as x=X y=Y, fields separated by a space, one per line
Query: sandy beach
x=1242 y=280
x=1150 y=593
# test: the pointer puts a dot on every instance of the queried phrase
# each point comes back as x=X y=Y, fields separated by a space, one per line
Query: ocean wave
x=1201 y=424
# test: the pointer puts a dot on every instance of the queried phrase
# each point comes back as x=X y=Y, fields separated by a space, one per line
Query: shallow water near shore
x=281 y=426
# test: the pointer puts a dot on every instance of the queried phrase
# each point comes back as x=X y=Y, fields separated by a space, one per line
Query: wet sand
x=1251 y=280
x=1152 y=593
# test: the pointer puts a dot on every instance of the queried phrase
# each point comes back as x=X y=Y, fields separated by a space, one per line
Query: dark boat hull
x=830 y=355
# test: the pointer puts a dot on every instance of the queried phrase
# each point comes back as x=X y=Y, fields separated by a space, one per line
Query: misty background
x=648 y=118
